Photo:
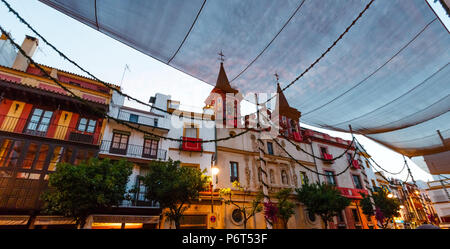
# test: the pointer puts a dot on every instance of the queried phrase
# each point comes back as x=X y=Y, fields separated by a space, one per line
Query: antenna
x=124 y=70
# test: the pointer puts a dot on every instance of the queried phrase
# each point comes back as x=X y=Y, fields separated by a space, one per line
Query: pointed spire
x=223 y=83
x=283 y=106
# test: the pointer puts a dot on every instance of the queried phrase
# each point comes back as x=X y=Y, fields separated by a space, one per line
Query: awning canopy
x=11 y=220
x=388 y=77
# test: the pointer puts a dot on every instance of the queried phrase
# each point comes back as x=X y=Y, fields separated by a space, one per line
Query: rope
x=374 y=72
x=307 y=168
x=90 y=74
x=326 y=52
x=101 y=113
x=185 y=37
x=285 y=24
x=306 y=152
x=370 y=158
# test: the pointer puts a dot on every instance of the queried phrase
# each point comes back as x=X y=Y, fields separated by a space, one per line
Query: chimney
x=29 y=46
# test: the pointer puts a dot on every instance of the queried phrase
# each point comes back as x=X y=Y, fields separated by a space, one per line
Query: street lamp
x=390 y=195
x=214 y=172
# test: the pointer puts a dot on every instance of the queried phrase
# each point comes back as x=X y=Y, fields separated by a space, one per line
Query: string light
x=324 y=53
x=106 y=115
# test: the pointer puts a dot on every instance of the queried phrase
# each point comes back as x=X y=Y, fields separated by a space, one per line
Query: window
x=119 y=144
x=87 y=125
x=349 y=158
x=67 y=156
x=311 y=216
x=236 y=215
x=80 y=157
x=150 y=148
x=191 y=131
x=234 y=172
x=39 y=121
x=324 y=151
x=134 y=118
x=140 y=195
x=13 y=156
x=29 y=157
x=43 y=151
x=357 y=181
x=330 y=178
x=4 y=150
x=340 y=218
x=56 y=157
x=373 y=183
x=356 y=218
x=270 y=148
x=341 y=221
x=293 y=126
x=284 y=177
x=303 y=178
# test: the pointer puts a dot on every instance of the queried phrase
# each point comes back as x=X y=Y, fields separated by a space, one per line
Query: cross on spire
x=277 y=76
x=221 y=56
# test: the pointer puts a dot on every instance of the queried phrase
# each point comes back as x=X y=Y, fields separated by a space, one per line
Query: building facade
x=40 y=126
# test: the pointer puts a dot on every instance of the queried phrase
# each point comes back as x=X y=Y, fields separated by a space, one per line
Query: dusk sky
x=106 y=58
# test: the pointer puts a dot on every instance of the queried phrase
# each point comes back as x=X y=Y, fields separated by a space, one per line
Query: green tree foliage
x=78 y=190
x=389 y=207
x=247 y=211
x=322 y=199
x=285 y=207
x=174 y=187
x=367 y=205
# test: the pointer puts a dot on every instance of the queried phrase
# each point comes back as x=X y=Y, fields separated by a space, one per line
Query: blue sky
x=106 y=59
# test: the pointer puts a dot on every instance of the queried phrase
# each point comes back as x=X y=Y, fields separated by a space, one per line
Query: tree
x=322 y=199
x=386 y=208
x=367 y=205
x=174 y=187
x=284 y=206
x=78 y=190
x=247 y=211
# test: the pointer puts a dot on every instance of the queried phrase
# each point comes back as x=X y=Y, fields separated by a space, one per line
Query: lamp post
x=214 y=172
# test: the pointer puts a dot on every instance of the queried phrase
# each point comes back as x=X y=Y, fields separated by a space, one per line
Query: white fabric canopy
x=388 y=77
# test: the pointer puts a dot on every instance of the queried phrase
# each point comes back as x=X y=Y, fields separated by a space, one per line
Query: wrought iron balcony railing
x=132 y=150
x=47 y=129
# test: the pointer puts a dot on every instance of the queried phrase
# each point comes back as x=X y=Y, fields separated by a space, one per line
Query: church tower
x=289 y=118
x=225 y=101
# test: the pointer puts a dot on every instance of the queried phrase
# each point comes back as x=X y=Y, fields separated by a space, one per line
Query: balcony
x=48 y=130
x=327 y=158
x=297 y=136
x=309 y=133
x=352 y=193
x=355 y=164
x=146 y=119
x=132 y=150
x=138 y=119
x=191 y=144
